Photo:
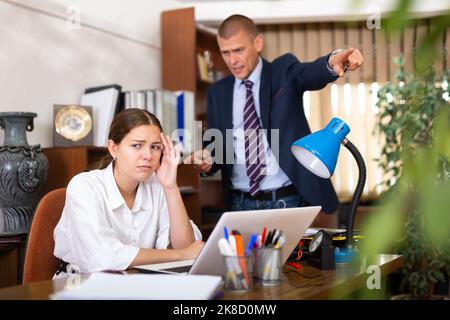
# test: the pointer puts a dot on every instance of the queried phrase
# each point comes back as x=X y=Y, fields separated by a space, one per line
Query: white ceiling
x=211 y=12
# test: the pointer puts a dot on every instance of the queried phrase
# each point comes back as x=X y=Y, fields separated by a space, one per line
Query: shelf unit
x=66 y=162
x=181 y=41
x=12 y=254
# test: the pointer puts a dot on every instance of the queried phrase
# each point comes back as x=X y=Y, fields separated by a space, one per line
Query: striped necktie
x=254 y=148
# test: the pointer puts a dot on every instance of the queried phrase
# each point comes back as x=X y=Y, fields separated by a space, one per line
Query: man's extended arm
x=317 y=74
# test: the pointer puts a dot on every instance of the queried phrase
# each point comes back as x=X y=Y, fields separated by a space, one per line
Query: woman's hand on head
x=167 y=171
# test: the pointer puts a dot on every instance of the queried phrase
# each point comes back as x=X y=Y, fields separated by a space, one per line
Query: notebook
x=105 y=286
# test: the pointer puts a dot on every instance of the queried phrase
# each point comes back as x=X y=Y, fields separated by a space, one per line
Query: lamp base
x=345 y=255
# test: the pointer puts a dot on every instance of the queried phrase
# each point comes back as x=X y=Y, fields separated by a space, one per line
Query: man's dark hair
x=236 y=22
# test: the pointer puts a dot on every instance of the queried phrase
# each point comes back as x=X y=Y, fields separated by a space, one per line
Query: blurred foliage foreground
x=414 y=215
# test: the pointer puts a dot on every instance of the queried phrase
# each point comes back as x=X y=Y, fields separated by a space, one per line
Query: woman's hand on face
x=167 y=171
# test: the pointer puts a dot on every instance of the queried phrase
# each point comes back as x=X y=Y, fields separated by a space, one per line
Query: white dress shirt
x=97 y=231
x=275 y=177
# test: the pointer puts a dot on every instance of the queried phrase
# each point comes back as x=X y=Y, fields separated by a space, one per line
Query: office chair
x=40 y=264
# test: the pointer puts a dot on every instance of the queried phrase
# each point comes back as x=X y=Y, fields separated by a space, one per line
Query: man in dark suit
x=266 y=96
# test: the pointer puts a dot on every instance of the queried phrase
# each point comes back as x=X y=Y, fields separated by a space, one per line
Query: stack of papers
x=103 y=105
x=103 y=286
x=312 y=231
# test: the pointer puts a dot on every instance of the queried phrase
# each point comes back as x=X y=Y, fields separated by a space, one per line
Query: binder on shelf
x=137 y=99
x=158 y=98
x=133 y=99
x=150 y=101
x=120 y=100
x=186 y=120
x=140 y=99
x=169 y=113
x=127 y=100
x=174 y=109
x=104 y=105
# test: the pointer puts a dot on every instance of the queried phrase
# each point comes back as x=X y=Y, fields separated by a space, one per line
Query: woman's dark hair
x=123 y=123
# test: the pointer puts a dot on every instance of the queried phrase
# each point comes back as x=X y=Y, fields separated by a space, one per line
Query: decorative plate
x=73 y=123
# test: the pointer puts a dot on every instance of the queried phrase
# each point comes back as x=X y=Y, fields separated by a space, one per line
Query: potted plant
x=414 y=219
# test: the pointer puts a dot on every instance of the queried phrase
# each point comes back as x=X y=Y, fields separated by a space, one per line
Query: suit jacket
x=281 y=107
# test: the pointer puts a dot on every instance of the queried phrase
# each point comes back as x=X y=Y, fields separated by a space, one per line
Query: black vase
x=23 y=170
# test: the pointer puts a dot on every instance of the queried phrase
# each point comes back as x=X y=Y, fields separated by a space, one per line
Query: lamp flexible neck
x=358 y=191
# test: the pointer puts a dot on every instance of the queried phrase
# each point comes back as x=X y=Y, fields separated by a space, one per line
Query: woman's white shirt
x=97 y=231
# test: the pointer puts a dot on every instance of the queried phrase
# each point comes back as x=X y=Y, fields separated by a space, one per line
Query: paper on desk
x=313 y=231
x=102 y=286
x=310 y=232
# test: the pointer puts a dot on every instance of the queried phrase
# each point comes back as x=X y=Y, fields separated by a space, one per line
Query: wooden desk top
x=311 y=284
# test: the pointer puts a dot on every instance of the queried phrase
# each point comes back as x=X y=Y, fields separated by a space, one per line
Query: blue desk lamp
x=318 y=152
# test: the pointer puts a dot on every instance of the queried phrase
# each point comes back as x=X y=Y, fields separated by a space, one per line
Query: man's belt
x=268 y=195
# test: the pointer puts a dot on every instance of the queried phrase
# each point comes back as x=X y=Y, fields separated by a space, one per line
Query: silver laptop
x=292 y=221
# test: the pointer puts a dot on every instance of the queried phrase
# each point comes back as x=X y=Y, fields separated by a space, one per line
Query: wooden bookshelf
x=66 y=162
x=181 y=41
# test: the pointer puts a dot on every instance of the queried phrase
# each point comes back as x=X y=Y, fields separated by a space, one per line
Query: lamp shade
x=318 y=152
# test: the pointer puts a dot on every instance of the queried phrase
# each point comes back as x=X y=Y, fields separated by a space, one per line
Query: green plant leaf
x=436 y=217
x=382 y=227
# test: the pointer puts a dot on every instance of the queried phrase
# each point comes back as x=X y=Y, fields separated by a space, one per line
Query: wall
x=43 y=62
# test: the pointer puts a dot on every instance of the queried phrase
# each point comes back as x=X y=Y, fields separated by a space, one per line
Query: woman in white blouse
x=130 y=212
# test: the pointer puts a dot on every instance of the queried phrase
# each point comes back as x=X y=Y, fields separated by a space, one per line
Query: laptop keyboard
x=179 y=269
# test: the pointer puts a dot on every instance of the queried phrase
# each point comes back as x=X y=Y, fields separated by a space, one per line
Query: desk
x=337 y=284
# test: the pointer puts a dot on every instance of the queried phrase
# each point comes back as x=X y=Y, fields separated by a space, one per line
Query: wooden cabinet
x=66 y=162
x=12 y=253
x=181 y=41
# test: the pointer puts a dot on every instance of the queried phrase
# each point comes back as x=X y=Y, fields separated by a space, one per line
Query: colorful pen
x=263 y=237
x=280 y=242
x=232 y=244
x=235 y=232
x=239 y=245
x=277 y=238
x=233 y=268
x=225 y=231
x=252 y=241
x=269 y=238
x=241 y=257
x=258 y=243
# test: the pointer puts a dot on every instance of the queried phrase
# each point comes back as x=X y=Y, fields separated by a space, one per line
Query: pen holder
x=238 y=273
x=267 y=267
